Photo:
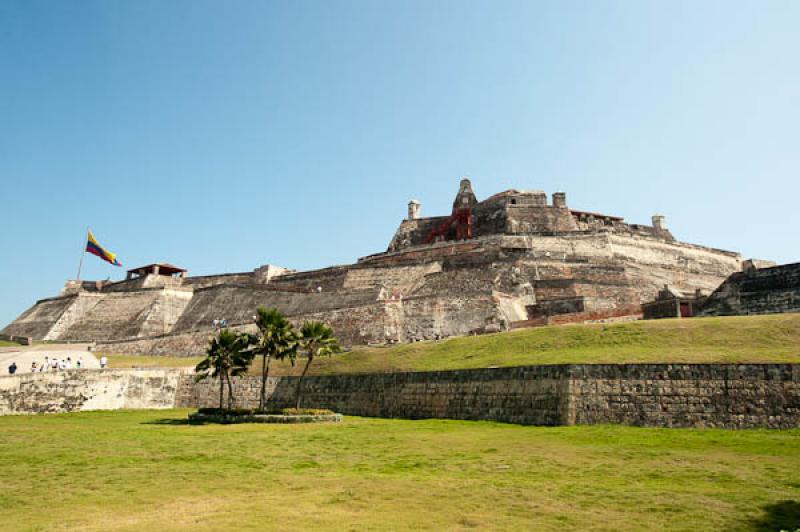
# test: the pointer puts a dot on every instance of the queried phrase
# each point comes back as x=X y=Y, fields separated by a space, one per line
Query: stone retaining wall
x=530 y=395
x=656 y=395
x=659 y=395
x=733 y=396
x=82 y=389
x=21 y=340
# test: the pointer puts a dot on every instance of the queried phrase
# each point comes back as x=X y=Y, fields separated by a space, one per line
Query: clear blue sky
x=224 y=135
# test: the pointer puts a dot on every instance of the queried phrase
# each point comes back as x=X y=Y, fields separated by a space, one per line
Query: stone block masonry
x=655 y=395
x=757 y=291
x=733 y=396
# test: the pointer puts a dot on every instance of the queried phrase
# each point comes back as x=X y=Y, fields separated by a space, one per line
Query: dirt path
x=25 y=355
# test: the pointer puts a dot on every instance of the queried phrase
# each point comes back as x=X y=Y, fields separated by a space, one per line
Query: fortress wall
x=426 y=318
x=403 y=278
x=183 y=344
x=415 y=318
x=141 y=283
x=329 y=279
x=489 y=217
x=165 y=312
x=237 y=304
x=414 y=232
x=477 y=279
x=78 y=390
x=38 y=320
x=654 y=395
x=559 y=280
x=204 y=281
x=125 y=286
x=757 y=291
x=530 y=219
x=562 y=246
x=434 y=252
x=652 y=264
x=355 y=325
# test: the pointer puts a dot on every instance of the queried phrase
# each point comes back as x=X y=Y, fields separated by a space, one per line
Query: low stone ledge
x=229 y=419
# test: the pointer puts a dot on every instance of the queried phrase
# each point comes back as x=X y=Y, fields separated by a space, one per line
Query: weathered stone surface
x=74 y=390
x=756 y=291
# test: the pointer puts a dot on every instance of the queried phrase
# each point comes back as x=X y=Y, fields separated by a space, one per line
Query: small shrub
x=274 y=411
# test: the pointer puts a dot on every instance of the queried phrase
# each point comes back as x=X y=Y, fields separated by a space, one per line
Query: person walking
x=54 y=363
x=103 y=362
x=46 y=365
x=33 y=367
x=79 y=363
x=12 y=368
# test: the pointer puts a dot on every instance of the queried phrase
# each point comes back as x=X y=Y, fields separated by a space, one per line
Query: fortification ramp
x=237 y=304
x=38 y=320
x=115 y=316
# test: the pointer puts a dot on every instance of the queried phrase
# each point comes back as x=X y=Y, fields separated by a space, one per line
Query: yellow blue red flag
x=96 y=249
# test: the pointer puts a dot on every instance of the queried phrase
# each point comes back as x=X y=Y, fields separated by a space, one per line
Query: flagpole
x=83 y=252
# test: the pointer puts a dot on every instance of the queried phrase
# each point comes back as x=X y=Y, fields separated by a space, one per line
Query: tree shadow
x=171 y=421
x=782 y=515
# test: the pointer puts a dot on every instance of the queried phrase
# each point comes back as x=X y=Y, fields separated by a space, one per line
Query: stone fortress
x=510 y=260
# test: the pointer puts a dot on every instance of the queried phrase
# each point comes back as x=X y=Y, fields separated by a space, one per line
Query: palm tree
x=316 y=339
x=227 y=355
x=276 y=339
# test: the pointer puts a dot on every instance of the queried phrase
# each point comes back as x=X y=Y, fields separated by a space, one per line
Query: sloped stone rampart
x=186 y=344
x=38 y=320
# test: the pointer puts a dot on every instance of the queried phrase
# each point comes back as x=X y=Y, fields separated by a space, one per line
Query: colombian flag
x=96 y=249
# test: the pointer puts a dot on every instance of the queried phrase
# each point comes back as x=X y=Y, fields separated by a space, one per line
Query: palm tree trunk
x=262 y=399
x=230 y=392
x=221 y=389
x=300 y=380
x=221 y=378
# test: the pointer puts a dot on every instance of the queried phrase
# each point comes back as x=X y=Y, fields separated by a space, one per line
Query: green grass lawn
x=6 y=343
x=147 y=470
x=772 y=338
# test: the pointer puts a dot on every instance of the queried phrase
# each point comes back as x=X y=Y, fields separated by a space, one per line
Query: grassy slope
x=773 y=338
x=141 y=470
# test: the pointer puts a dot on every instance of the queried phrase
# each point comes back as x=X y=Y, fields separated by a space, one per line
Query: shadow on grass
x=783 y=515
x=171 y=421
